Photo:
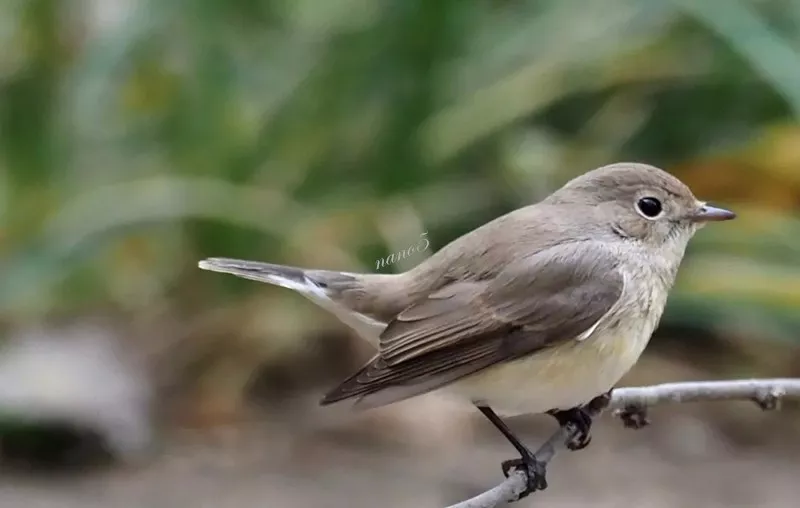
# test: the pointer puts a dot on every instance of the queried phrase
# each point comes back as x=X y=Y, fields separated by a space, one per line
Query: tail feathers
x=280 y=275
x=325 y=288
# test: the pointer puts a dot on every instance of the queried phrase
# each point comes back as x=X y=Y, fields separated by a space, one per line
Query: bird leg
x=534 y=469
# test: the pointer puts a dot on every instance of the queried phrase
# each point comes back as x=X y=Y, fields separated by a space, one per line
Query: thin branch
x=631 y=404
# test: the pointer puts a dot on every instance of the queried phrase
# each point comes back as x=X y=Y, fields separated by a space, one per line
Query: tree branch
x=631 y=404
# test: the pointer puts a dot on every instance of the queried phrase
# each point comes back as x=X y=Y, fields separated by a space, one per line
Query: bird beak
x=708 y=213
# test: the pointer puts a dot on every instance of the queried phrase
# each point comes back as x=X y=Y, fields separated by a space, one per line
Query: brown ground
x=678 y=461
x=428 y=453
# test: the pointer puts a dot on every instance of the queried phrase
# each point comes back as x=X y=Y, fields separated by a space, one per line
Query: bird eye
x=649 y=207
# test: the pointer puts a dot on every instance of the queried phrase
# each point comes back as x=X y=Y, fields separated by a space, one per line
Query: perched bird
x=541 y=310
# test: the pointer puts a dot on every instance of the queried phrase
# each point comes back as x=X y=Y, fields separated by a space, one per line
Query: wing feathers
x=418 y=372
x=557 y=295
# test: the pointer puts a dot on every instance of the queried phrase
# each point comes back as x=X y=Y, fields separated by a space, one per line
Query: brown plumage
x=581 y=261
x=540 y=310
x=468 y=326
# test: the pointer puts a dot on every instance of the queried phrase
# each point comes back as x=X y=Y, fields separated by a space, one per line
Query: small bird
x=541 y=310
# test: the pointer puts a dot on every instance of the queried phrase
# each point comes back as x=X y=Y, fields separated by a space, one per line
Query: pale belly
x=558 y=378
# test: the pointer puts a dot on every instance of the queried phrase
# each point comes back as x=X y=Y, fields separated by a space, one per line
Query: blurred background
x=140 y=136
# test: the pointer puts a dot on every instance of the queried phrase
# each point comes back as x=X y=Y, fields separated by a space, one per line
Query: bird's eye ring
x=649 y=207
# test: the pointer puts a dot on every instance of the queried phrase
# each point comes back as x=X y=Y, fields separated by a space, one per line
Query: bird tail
x=280 y=275
x=323 y=287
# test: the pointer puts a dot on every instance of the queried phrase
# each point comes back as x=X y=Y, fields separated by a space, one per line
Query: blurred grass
x=138 y=136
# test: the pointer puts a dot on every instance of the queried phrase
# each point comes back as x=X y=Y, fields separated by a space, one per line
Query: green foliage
x=334 y=133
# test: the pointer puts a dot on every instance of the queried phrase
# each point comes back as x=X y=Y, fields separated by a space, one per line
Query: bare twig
x=629 y=403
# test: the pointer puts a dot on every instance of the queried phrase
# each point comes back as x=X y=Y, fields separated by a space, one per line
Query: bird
x=538 y=311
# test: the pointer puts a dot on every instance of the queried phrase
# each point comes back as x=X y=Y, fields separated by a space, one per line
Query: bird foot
x=599 y=403
x=534 y=469
x=581 y=420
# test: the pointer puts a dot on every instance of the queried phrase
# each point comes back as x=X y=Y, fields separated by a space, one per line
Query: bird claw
x=582 y=421
x=599 y=403
x=535 y=473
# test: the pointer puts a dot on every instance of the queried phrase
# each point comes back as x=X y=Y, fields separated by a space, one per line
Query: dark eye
x=650 y=207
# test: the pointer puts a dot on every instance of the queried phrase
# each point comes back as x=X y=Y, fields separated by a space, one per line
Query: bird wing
x=554 y=296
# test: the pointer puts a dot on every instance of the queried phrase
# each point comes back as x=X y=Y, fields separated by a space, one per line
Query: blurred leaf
x=137 y=137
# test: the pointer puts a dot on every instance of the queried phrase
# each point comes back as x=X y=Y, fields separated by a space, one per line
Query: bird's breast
x=566 y=375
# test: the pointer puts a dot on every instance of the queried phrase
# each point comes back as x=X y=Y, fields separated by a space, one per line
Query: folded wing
x=557 y=295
